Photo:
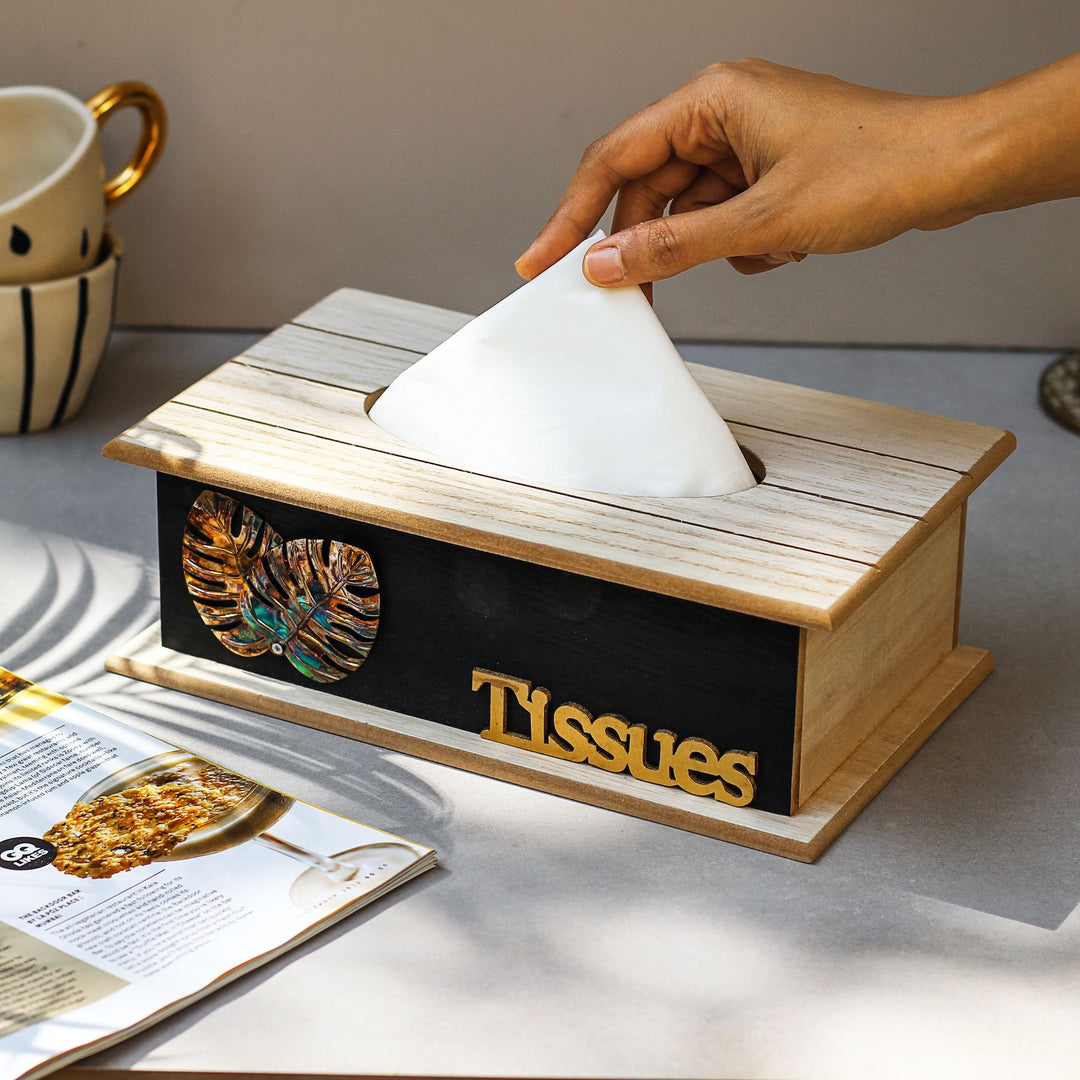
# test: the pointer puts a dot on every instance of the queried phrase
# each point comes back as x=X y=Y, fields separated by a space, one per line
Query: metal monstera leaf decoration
x=315 y=602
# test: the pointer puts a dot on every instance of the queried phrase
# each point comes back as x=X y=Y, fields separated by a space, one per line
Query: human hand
x=762 y=165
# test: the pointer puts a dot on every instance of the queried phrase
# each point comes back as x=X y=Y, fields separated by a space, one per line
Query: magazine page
x=135 y=877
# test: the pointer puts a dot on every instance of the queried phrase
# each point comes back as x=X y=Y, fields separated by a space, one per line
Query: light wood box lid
x=852 y=486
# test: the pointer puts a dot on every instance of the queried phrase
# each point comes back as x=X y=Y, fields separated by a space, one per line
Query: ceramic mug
x=53 y=192
x=52 y=337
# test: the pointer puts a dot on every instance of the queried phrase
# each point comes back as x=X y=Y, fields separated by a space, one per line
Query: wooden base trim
x=803 y=836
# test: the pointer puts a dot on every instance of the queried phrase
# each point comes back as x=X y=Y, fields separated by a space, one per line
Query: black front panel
x=445 y=610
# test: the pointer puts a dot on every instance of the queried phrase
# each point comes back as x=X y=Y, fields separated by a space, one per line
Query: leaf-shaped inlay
x=318 y=602
x=223 y=540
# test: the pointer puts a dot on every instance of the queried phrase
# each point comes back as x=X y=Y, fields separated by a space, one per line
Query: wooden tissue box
x=753 y=667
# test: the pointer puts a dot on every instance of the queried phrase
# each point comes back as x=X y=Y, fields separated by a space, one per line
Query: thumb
x=660 y=248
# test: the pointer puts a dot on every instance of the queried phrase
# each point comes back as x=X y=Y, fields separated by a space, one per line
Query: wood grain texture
x=845 y=501
x=798 y=518
x=865 y=425
x=383 y=319
x=328 y=358
x=802 y=837
x=804 y=464
x=855 y=676
x=745 y=399
x=859 y=477
x=753 y=576
x=854 y=476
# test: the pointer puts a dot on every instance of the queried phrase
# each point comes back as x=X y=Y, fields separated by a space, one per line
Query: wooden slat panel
x=809 y=466
x=774 y=514
x=329 y=358
x=570 y=533
x=383 y=319
x=866 y=425
x=743 y=399
x=801 y=464
x=858 y=476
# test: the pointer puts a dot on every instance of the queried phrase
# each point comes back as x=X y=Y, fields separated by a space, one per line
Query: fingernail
x=603 y=266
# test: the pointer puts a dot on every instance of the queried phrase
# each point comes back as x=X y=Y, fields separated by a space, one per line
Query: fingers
x=741 y=227
x=675 y=152
x=633 y=151
x=644 y=199
x=647 y=198
x=707 y=189
x=758 y=264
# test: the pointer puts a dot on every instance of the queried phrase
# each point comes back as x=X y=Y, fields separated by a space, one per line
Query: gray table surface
x=939 y=936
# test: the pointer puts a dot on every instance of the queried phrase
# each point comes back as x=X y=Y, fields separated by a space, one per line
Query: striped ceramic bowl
x=52 y=337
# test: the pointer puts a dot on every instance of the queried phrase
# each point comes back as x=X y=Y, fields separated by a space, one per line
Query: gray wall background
x=414 y=147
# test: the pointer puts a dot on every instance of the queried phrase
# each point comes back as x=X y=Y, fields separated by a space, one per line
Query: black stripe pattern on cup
x=117 y=260
x=28 y=358
x=76 y=355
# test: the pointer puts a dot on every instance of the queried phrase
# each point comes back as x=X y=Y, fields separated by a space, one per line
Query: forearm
x=1022 y=143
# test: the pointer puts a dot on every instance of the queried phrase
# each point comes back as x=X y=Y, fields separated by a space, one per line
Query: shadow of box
x=753 y=667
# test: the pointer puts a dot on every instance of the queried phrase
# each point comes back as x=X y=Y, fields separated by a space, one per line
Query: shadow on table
x=567 y=896
x=982 y=817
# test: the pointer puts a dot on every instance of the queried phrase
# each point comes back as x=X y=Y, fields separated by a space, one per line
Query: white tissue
x=568 y=385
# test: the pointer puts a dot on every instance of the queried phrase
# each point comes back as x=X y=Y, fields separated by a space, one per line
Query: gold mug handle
x=151 y=142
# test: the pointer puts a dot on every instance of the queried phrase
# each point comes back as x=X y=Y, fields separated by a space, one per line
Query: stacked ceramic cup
x=59 y=260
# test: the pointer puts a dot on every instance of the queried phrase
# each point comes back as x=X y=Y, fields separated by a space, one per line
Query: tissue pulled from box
x=564 y=384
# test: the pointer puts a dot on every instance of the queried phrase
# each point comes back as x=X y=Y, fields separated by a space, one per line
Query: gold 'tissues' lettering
x=609 y=742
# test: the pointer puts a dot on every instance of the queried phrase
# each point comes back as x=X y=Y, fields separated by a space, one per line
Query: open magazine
x=136 y=877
